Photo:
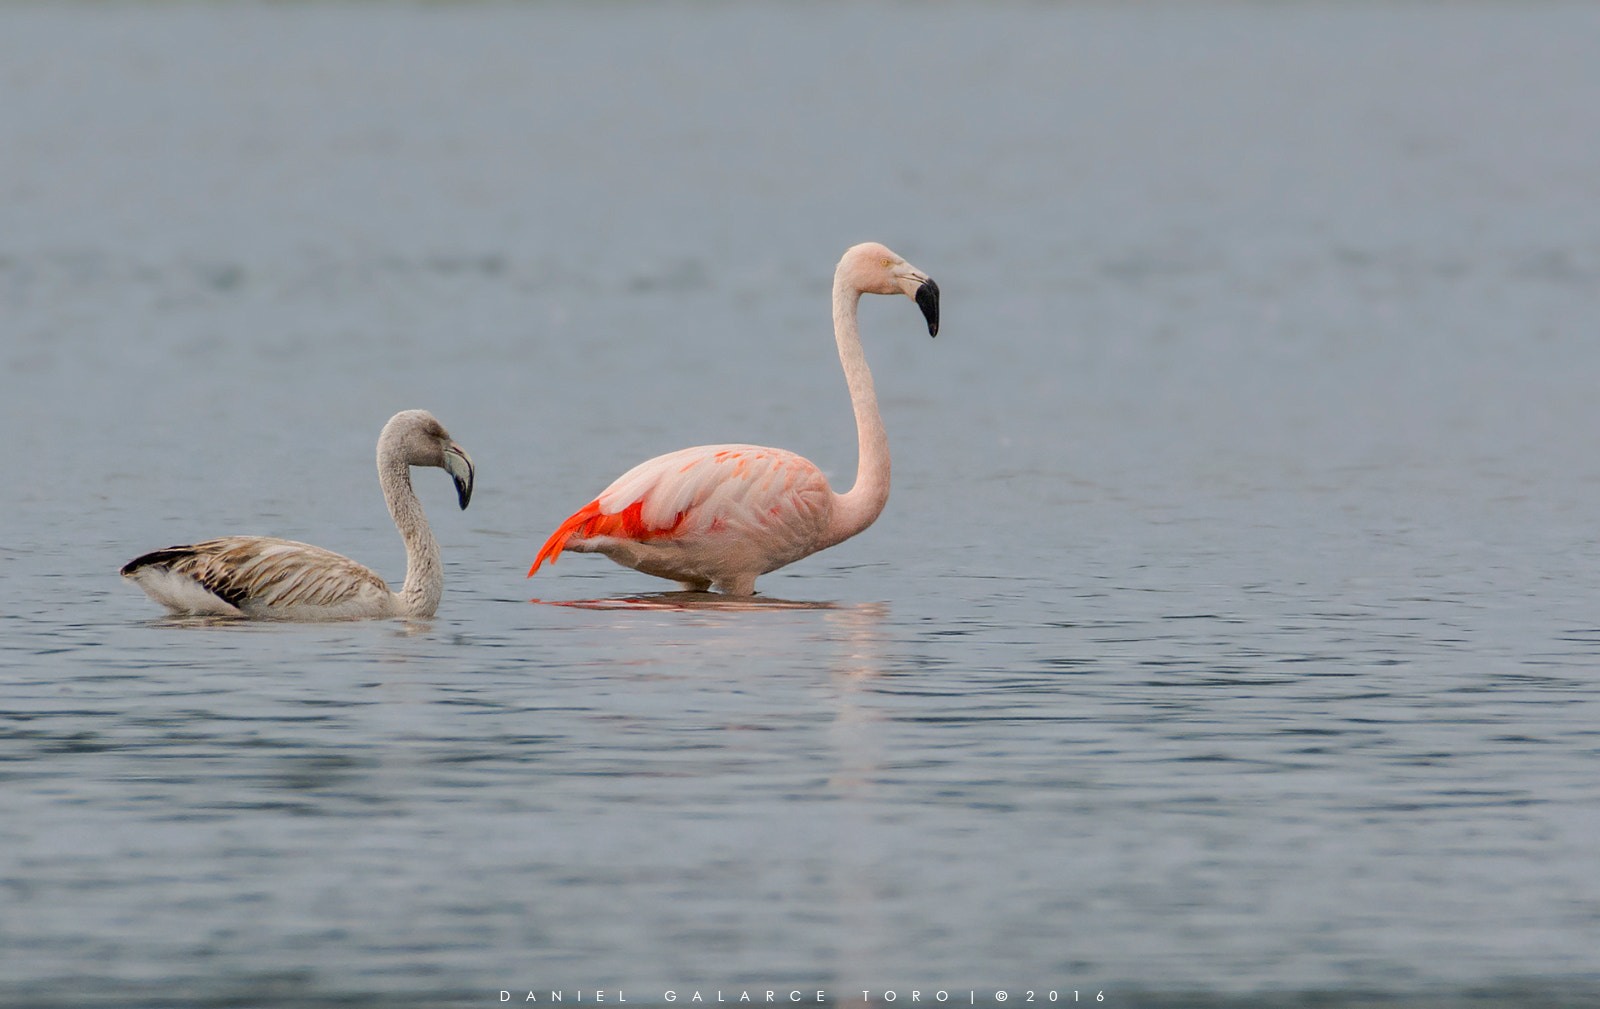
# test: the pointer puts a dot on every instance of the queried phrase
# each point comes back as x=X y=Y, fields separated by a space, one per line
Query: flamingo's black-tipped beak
x=459 y=465
x=928 y=301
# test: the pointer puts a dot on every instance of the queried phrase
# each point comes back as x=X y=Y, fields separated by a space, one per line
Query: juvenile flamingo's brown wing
x=251 y=573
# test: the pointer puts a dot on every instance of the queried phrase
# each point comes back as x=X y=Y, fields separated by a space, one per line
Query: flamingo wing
x=758 y=507
x=254 y=575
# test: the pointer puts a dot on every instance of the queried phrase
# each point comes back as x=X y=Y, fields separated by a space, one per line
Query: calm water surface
x=1230 y=636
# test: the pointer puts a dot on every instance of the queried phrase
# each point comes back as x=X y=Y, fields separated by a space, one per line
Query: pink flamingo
x=717 y=516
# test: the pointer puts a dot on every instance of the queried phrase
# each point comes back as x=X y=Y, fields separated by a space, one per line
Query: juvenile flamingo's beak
x=928 y=301
x=459 y=465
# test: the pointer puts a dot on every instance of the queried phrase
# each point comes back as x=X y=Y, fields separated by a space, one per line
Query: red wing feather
x=590 y=521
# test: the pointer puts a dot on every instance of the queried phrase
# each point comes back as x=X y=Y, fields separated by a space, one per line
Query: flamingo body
x=718 y=516
x=262 y=578
x=715 y=516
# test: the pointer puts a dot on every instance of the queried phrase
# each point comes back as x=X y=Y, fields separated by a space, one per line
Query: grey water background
x=1230 y=636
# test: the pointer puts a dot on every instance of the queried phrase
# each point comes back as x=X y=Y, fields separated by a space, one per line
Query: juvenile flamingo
x=718 y=516
x=263 y=578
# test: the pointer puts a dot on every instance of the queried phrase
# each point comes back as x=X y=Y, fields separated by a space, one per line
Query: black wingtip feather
x=156 y=557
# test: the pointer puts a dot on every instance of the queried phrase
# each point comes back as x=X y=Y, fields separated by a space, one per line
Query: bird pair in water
x=712 y=517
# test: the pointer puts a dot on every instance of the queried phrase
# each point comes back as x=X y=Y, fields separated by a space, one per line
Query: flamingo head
x=418 y=438
x=874 y=269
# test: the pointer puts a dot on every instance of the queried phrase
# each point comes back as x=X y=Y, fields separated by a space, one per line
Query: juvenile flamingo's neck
x=424 y=585
x=860 y=506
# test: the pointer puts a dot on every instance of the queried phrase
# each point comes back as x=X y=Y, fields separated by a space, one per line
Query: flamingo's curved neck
x=424 y=584
x=858 y=507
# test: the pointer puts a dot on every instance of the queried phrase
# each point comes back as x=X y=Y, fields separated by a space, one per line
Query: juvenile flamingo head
x=875 y=269
x=416 y=437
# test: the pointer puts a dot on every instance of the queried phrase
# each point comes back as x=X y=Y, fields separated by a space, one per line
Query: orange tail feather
x=558 y=540
x=591 y=521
